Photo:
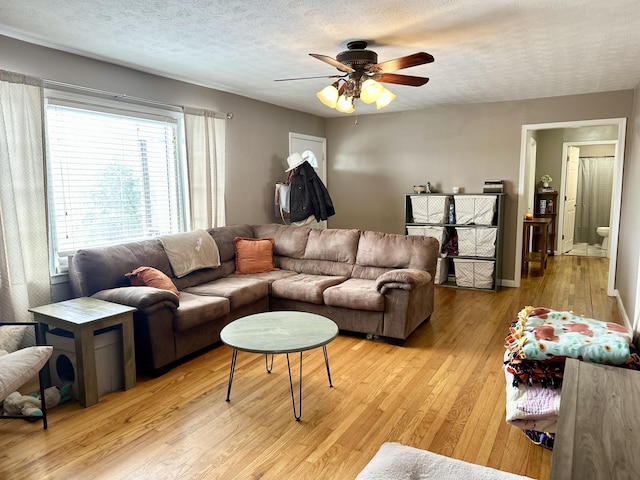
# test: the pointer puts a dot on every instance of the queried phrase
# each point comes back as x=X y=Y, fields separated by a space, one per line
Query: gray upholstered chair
x=20 y=366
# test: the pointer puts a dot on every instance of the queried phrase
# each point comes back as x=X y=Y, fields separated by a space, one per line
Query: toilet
x=604 y=233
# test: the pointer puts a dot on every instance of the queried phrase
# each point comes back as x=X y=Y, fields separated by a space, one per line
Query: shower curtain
x=595 y=184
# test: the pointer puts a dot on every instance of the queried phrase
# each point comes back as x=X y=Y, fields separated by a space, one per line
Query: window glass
x=115 y=174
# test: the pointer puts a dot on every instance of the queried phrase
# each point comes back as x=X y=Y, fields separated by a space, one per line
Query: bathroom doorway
x=594 y=198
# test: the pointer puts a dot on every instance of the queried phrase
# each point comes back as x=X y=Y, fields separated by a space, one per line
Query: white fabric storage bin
x=478 y=209
x=442 y=270
x=474 y=273
x=429 y=208
x=438 y=233
x=477 y=241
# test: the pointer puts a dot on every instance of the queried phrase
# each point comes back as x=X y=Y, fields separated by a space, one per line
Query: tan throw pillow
x=151 y=277
x=254 y=255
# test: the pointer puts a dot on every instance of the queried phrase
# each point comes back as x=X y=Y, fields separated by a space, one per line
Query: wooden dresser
x=598 y=434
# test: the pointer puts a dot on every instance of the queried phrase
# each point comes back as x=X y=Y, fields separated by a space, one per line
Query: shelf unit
x=450 y=230
x=546 y=206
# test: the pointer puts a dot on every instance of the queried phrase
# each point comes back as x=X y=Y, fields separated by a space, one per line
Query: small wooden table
x=285 y=332
x=83 y=316
x=528 y=256
x=598 y=425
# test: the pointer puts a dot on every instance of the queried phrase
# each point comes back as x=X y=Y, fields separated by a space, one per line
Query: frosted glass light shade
x=328 y=95
x=385 y=99
x=371 y=91
x=345 y=104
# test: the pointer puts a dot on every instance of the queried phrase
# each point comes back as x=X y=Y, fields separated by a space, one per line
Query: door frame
x=621 y=123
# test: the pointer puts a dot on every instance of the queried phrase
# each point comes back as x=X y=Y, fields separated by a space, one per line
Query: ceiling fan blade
x=403 y=79
x=340 y=66
x=419 y=58
x=307 y=78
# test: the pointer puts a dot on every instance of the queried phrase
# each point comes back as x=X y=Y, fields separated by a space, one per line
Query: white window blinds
x=115 y=175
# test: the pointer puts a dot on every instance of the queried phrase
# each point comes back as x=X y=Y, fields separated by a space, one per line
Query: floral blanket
x=545 y=334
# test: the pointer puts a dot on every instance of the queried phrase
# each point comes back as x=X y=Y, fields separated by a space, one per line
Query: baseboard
x=508 y=283
x=623 y=311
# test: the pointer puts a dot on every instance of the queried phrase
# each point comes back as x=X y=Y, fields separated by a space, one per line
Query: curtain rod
x=121 y=96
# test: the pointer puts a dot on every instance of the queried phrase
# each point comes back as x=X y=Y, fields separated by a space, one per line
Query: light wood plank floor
x=442 y=391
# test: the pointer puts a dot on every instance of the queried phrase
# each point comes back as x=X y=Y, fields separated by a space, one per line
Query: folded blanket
x=545 y=334
x=191 y=251
x=546 y=373
x=532 y=407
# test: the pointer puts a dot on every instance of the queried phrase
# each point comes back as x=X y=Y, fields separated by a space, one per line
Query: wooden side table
x=598 y=424
x=83 y=316
x=528 y=256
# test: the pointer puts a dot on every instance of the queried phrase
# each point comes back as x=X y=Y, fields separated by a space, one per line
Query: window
x=115 y=173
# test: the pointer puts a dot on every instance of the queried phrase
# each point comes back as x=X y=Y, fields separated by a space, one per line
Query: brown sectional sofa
x=368 y=282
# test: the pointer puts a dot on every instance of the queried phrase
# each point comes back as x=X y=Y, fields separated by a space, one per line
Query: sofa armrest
x=403 y=278
x=145 y=299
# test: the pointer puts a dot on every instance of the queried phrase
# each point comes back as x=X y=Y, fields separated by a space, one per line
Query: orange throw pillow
x=253 y=255
x=151 y=277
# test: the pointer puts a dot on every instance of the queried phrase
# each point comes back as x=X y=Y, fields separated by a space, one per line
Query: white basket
x=477 y=241
x=474 y=273
x=478 y=209
x=442 y=271
x=428 y=231
x=429 y=208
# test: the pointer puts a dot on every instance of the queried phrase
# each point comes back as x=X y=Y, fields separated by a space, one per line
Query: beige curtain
x=24 y=253
x=206 y=167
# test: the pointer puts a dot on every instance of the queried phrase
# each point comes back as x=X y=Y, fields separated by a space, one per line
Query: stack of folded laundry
x=537 y=346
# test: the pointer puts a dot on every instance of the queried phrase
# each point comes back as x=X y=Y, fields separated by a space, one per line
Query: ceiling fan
x=363 y=76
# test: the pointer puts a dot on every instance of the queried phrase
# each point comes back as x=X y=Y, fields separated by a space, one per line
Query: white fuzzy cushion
x=10 y=336
x=395 y=461
x=18 y=367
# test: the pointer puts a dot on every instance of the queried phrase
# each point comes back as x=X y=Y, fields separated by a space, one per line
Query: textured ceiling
x=485 y=50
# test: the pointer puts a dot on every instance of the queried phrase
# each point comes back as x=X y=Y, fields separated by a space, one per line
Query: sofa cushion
x=151 y=277
x=253 y=255
x=99 y=268
x=337 y=245
x=291 y=241
x=378 y=252
x=304 y=287
x=270 y=277
x=238 y=289
x=195 y=310
x=355 y=293
x=224 y=236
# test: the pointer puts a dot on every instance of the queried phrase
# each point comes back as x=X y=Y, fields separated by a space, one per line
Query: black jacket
x=308 y=195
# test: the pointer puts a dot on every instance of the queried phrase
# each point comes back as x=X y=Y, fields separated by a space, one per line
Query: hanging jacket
x=308 y=195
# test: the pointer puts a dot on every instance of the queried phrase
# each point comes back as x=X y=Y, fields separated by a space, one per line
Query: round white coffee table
x=270 y=333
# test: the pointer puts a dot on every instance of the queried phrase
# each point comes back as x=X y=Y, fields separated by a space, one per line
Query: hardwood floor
x=442 y=391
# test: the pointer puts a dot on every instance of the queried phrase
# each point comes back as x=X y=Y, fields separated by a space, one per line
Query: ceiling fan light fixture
x=329 y=95
x=345 y=104
x=371 y=91
x=385 y=99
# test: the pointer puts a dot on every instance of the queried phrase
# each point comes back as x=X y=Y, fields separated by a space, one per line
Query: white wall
x=628 y=278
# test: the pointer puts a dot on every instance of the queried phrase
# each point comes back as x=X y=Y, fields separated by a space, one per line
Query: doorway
x=299 y=142
x=524 y=190
x=593 y=185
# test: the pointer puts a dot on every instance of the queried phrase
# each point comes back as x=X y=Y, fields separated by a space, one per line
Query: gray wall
x=373 y=163
x=550 y=144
